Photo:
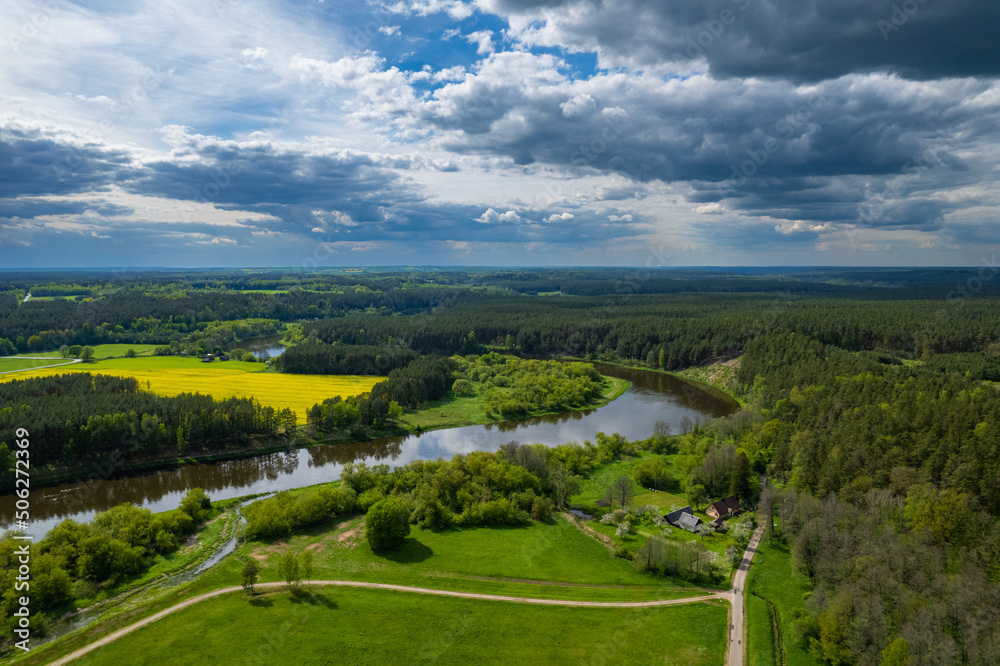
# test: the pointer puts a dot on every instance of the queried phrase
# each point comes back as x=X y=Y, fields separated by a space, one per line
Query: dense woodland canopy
x=871 y=406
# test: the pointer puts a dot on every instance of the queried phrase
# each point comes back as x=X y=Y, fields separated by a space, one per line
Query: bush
x=541 y=508
x=387 y=524
x=195 y=504
x=495 y=512
x=368 y=498
x=338 y=500
x=652 y=472
x=463 y=388
x=433 y=515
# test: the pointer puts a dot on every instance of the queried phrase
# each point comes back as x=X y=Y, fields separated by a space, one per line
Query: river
x=652 y=397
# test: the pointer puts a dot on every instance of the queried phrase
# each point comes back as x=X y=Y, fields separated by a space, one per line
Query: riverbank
x=699 y=377
x=448 y=413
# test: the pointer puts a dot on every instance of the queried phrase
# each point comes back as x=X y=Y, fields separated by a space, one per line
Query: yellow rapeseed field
x=171 y=375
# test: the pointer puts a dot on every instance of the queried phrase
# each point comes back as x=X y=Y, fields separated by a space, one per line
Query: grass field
x=171 y=375
x=352 y=626
x=104 y=351
x=10 y=363
x=543 y=560
x=551 y=559
x=774 y=594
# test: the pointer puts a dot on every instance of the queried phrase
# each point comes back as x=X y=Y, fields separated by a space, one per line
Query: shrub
x=495 y=512
x=463 y=388
x=652 y=472
x=368 y=498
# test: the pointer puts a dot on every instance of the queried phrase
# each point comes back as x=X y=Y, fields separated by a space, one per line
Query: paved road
x=737 y=633
x=384 y=586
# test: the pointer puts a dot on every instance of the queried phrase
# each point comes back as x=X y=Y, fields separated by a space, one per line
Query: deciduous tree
x=621 y=492
x=251 y=572
x=387 y=524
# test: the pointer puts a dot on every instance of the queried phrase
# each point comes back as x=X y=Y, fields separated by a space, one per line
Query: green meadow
x=774 y=594
x=355 y=626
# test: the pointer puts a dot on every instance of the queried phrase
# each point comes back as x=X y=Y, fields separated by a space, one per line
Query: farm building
x=684 y=518
x=724 y=508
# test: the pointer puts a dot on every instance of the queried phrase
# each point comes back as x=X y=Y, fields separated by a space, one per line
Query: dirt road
x=385 y=586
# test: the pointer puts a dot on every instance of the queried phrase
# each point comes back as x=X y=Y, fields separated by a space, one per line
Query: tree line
x=80 y=417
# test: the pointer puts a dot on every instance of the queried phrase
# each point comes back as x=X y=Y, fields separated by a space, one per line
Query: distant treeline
x=319 y=358
x=128 y=315
x=679 y=331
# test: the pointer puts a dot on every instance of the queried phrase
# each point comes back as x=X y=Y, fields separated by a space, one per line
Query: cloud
x=579 y=105
x=800 y=40
x=483 y=39
x=454 y=8
x=493 y=217
x=254 y=58
x=573 y=128
x=36 y=162
x=557 y=218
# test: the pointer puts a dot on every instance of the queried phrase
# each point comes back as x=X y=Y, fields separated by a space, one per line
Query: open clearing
x=172 y=375
x=360 y=626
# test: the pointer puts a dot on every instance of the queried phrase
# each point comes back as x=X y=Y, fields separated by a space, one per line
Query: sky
x=331 y=133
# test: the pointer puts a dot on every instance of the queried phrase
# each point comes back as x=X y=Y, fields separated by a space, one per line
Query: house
x=724 y=508
x=684 y=518
x=689 y=522
x=207 y=358
x=223 y=357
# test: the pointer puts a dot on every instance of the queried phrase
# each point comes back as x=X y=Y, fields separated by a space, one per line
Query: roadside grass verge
x=771 y=579
x=380 y=627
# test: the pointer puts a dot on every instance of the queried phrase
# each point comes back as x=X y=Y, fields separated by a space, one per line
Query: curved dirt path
x=40 y=358
x=384 y=586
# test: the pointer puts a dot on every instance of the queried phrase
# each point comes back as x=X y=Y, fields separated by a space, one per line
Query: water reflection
x=652 y=397
x=262 y=348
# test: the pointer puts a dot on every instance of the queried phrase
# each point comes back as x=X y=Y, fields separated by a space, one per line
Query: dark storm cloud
x=288 y=194
x=34 y=163
x=803 y=40
x=766 y=147
x=251 y=174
